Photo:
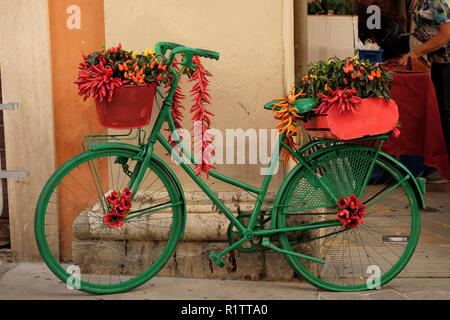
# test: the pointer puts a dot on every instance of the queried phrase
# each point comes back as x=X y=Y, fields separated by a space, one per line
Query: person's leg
x=440 y=74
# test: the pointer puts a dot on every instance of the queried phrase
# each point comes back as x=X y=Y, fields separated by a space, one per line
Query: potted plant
x=353 y=99
x=343 y=7
x=123 y=85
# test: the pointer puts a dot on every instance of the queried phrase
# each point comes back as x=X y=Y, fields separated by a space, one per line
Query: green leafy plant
x=342 y=7
x=369 y=80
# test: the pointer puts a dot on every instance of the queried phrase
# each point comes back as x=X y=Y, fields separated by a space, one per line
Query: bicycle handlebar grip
x=190 y=52
x=208 y=54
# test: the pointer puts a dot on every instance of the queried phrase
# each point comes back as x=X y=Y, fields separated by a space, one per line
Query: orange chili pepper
x=378 y=73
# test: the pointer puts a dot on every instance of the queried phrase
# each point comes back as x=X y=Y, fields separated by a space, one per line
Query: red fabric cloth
x=421 y=129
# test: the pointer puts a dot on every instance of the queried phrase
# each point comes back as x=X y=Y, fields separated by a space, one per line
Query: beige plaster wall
x=251 y=37
x=26 y=79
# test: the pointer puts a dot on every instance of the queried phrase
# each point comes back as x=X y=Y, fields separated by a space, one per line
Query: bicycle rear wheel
x=94 y=255
x=354 y=258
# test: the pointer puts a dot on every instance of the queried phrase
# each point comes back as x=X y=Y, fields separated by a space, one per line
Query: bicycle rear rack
x=93 y=139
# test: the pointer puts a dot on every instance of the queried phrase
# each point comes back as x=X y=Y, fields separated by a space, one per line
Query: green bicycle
x=302 y=222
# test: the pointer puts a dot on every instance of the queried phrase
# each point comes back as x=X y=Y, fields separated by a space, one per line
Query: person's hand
x=404 y=60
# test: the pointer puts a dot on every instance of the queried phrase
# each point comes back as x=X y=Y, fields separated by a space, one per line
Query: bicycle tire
x=352 y=251
x=120 y=253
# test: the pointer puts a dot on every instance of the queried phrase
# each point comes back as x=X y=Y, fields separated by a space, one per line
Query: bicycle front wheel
x=352 y=258
x=95 y=253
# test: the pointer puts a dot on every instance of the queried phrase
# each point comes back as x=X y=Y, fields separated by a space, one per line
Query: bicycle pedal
x=265 y=242
x=216 y=259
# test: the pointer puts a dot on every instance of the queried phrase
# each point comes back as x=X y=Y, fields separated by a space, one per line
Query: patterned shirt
x=429 y=15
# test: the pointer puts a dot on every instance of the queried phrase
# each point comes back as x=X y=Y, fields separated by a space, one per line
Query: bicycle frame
x=248 y=231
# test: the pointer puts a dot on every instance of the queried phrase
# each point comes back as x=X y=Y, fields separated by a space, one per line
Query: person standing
x=432 y=19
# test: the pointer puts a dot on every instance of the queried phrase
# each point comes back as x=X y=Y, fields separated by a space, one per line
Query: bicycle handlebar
x=162 y=47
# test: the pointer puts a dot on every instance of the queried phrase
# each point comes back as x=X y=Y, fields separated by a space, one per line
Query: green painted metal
x=143 y=212
x=388 y=192
x=252 y=244
x=369 y=172
x=422 y=182
x=90 y=140
x=277 y=230
x=418 y=190
x=303 y=105
x=323 y=192
x=313 y=143
x=234 y=182
x=268 y=244
x=305 y=164
x=201 y=184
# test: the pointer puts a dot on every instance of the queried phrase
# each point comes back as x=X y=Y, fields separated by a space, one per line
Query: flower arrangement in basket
x=354 y=99
x=351 y=99
x=123 y=84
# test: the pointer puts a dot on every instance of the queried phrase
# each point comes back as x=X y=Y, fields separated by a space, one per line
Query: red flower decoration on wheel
x=114 y=220
x=126 y=193
x=113 y=198
x=351 y=212
x=119 y=206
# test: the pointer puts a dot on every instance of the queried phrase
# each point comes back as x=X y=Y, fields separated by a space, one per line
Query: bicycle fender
x=159 y=162
x=417 y=184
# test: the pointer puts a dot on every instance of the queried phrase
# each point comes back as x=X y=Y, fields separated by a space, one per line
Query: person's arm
x=438 y=41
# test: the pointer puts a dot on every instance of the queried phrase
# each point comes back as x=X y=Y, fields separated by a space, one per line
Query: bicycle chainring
x=234 y=235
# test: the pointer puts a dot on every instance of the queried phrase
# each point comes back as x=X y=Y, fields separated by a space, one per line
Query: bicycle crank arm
x=266 y=243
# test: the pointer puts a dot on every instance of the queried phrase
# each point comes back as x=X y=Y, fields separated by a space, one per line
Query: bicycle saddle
x=303 y=105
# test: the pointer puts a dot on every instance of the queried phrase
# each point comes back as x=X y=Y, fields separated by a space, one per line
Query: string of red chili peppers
x=177 y=113
x=97 y=80
x=203 y=141
x=200 y=117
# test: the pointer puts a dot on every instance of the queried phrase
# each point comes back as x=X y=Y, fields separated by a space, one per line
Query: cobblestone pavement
x=426 y=277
